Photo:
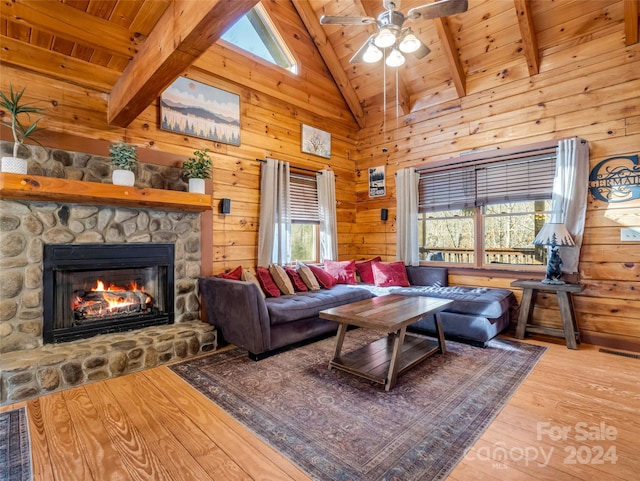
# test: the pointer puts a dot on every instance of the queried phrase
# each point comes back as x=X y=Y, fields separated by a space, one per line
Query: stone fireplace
x=39 y=241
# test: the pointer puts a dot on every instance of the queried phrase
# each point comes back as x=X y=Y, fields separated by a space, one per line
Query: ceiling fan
x=391 y=30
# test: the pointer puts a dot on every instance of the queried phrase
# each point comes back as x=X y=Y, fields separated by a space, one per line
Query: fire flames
x=103 y=300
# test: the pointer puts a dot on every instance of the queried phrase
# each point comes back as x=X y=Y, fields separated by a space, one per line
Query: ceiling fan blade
x=358 y=56
x=441 y=8
x=344 y=20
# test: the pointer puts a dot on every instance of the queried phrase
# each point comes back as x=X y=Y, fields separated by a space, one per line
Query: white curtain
x=570 y=188
x=407 y=216
x=274 y=233
x=326 y=182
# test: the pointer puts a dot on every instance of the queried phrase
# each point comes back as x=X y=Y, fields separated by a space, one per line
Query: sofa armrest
x=428 y=276
x=238 y=309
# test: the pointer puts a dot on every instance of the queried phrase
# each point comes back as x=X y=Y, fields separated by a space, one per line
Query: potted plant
x=20 y=132
x=124 y=157
x=197 y=169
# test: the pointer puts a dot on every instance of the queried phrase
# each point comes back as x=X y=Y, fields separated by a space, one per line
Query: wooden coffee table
x=383 y=360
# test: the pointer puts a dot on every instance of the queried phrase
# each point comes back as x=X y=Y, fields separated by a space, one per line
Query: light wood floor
x=153 y=426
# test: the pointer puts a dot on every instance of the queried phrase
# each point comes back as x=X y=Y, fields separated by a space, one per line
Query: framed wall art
x=316 y=141
x=192 y=108
x=377 y=186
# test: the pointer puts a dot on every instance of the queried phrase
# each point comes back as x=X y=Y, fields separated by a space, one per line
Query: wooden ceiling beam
x=57 y=65
x=312 y=24
x=72 y=24
x=185 y=31
x=528 y=34
x=631 y=21
x=450 y=53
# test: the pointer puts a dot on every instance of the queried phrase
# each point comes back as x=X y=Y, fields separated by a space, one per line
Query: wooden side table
x=569 y=330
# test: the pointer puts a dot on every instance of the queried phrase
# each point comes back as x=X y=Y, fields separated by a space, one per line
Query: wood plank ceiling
x=132 y=49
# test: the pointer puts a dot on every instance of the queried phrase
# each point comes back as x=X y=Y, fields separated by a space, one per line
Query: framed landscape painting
x=316 y=141
x=193 y=108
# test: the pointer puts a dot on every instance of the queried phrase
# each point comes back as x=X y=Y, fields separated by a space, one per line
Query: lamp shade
x=385 y=38
x=395 y=59
x=553 y=234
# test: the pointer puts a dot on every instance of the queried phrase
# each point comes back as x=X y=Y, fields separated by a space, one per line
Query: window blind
x=304 y=199
x=520 y=177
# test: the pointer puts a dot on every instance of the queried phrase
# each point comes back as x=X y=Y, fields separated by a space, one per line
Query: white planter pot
x=196 y=186
x=123 y=177
x=14 y=165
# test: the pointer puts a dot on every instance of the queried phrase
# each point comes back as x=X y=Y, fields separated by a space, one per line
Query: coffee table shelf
x=372 y=361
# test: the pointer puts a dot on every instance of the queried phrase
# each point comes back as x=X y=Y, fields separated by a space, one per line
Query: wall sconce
x=225 y=206
x=384 y=214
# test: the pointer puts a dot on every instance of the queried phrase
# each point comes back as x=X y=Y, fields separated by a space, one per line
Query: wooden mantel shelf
x=38 y=188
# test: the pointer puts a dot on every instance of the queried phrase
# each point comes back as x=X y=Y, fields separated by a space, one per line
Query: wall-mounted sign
x=616 y=179
x=376 y=181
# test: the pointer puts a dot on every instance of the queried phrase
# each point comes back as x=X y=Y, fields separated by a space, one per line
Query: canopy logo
x=616 y=179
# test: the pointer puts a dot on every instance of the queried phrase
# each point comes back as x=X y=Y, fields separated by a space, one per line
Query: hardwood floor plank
x=181 y=441
x=231 y=436
x=103 y=460
x=139 y=457
x=67 y=458
x=40 y=456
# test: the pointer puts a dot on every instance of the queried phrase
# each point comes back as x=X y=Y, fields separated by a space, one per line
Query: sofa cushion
x=390 y=274
x=266 y=281
x=234 y=275
x=281 y=279
x=296 y=280
x=365 y=270
x=343 y=271
x=307 y=276
x=326 y=280
x=249 y=276
x=304 y=305
x=475 y=301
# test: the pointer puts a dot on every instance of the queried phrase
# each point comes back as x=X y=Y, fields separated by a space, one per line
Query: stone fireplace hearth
x=28 y=366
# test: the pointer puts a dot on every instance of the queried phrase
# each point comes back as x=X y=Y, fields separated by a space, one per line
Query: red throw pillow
x=365 y=270
x=266 y=281
x=343 y=271
x=235 y=274
x=390 y=274
x=296 y=280
x=325 y=279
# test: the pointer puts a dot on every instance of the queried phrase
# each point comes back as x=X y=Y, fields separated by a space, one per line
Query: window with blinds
x=510 y=180
x=304 y=199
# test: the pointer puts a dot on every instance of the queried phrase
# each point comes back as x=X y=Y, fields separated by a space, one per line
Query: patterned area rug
x=15 y=446
x=338 y=427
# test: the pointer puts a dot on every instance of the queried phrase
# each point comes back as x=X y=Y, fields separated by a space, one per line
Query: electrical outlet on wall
x=630 y=234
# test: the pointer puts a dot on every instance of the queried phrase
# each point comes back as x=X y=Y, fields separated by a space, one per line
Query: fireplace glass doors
x=93 y=289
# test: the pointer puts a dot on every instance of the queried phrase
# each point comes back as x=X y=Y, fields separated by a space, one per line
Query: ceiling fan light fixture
x=410 y=43
x=386 y=38
x=372 y=54
x=395 y=59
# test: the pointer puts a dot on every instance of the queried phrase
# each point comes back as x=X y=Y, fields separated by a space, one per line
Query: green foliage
x=198 y=167
x=14 y=109
x=123 y=156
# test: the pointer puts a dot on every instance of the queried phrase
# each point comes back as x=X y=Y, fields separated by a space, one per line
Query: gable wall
x=591 y=91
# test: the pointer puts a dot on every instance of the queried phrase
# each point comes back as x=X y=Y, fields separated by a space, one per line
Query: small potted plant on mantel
x=125 y=158
x=19 y=131
x=197 y=169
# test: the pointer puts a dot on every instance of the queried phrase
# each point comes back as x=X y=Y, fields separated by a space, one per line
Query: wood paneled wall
x=592 y=91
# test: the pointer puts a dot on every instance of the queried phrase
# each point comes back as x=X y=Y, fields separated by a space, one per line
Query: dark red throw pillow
x=343 y=271
x=325 y=279
x=235 y=274
x=365 y=270
x=390 y=274
x=296 y=280
x=266 y=281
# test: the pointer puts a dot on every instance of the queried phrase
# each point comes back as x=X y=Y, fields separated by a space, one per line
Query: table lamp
x=554 y=235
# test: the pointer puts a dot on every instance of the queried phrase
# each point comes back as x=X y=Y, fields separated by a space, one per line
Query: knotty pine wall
x=592 y=91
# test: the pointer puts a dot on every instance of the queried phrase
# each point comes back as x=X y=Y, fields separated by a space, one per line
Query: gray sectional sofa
x=264 y=326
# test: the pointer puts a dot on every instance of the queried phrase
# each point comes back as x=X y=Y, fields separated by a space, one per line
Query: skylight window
x=257 y=34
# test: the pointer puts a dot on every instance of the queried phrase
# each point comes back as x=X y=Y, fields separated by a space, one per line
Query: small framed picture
x=316 y=141
x=193 y=108
x=376 y=182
